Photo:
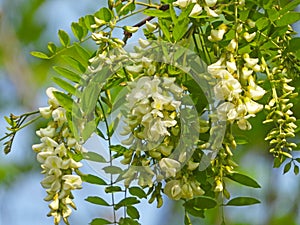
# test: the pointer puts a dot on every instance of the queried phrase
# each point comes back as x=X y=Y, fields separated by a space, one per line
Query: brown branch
x=128 y=35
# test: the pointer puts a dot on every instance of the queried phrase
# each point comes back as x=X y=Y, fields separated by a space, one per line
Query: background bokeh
x=27 y=25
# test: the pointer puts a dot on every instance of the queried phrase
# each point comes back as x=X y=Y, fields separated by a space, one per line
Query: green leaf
x=137 y=191
x=164 y=26
x=157 y=13
x=133 y=212
x=97 y=200
x=88 y=21
x=52 y=47
x=77 y=31
x=100 y=221
x=92 y=179
x=124 y=9
x=118 y=148
x=262 y=23
x=294 y=44
x=63 y=38
x=287 y=167
x=104 y=14
x=74 y=63
x=128 y=221
x=288 y=18
x=200 y=203
x=187 y=220
x=241 y=140
x=112 y=170
x=88 y=129
x=182 y=25
x=64 y=100
x=82 y=52
x=70 y=75
x=113 y=189
x=242 y=201
x=89 y=97
x=126 y=202
x=93 y=156
x=289 y=7
x=40 y=55
x=65 y=85
x=244 y=180
x=296 y=169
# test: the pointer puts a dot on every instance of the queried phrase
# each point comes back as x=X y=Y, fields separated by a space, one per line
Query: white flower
x=59 y=116
x=173 y=189
x=53 y=162
x=135 y=69
x=144 y=43
x=42 y=156
x=71 y=182
x=46 y=112
x=246 y=73
x=228 y=89
x=244 y=124
x=216 y=35
x=249 y=37
x=210 y=3
x=255 y=92
x=252 y=106
x=160 y=101
x=197 y=9
x=214 y=68
x=223 y=109
x=157 y=130
x=169 y=166
x=38 y=147
x=49 y=142
x=232 y=45
x=231 y=66
x=51 y=183
x=49 y=131
x=210 y=12
x=151 y=27
x=250 y=62
x=183 y=3
x=52 y=100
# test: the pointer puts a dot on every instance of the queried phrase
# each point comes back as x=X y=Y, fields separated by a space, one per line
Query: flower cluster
x=153 y=109
x=236 y=87
x=54 y=154
x=198 y=8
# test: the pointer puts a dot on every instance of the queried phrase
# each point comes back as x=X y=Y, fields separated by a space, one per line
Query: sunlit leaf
x=242 y=201
x=65 y=72
x=244 y=180
x=63 y=38
x=133 y=212
x=96 y=200
x=93 y=156
x=288 y=18
x=287 y=167
x=112 y=189
x=65 y=85
x=104 y=14
x=64 y=100
x=40 y=55
x=137 y=191
x=126 y=202
x=100 y=221
x=112 y=170
x=92 y=179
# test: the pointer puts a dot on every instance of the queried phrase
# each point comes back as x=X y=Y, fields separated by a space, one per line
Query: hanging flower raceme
x=57 y=144
x=239 y=100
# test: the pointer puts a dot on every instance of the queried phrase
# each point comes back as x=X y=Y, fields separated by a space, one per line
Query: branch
x=128 y=35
